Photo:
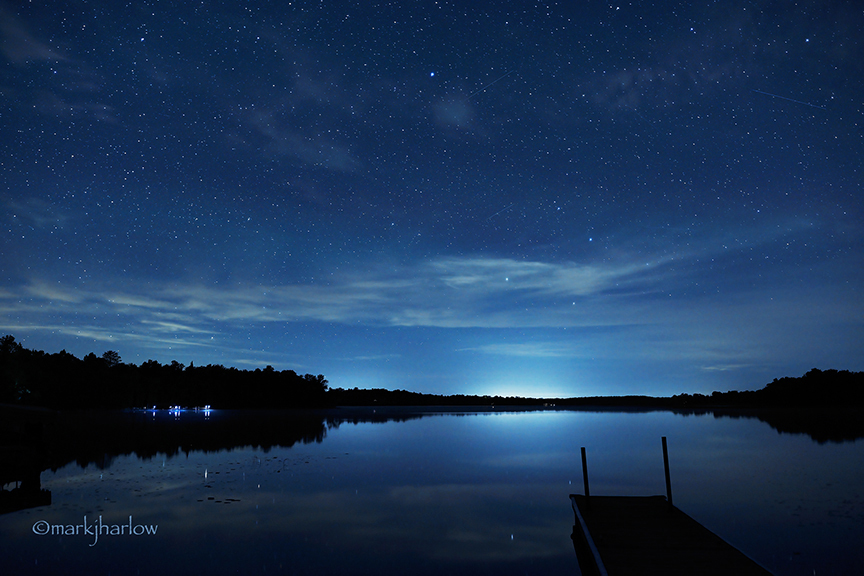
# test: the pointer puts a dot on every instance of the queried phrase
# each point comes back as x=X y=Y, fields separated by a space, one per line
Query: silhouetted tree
x=111 y=358
x=12 y=374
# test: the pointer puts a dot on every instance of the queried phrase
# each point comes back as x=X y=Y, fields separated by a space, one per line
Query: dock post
x=585 y=472
x=666 y=469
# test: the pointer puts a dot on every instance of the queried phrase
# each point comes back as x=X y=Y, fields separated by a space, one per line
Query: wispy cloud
x=376 y=357
x=527 y=349
x=137 y=301
x=37 y=212
x=18 y=45
x=454 y=113
x=483 y=275
x=623 y=304
x=470 y=292
x=174 y=327
x=726 y=367
x=449 y=292
x=317 y=150
x=53 y=293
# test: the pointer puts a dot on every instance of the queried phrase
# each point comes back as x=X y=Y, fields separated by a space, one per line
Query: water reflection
x=47 y=440
x=395 y=491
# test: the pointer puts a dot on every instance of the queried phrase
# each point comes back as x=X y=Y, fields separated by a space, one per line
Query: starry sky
x=514 y=198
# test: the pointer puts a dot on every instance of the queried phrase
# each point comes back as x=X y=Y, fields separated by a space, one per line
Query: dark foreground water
x=363 y=493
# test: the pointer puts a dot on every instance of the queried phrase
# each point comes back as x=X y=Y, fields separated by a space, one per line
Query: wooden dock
x=619 y=535
x=622 y=535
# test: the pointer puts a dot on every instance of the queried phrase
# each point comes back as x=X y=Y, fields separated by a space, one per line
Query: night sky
x=514 y=198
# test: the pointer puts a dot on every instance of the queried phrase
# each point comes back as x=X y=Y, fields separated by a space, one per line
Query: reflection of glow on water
x=465 y=486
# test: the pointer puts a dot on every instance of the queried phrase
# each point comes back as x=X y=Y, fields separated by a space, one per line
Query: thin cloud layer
x=447 y=293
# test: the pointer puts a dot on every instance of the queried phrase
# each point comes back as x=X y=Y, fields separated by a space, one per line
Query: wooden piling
x=585 y=472
x=666 y=470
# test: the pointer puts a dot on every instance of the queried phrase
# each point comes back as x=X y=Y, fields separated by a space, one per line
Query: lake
x=397 y=491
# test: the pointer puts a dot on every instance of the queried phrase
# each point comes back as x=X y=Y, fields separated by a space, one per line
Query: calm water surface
x=439 y=494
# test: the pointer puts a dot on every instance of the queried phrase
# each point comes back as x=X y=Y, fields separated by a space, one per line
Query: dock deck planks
x=647 y=535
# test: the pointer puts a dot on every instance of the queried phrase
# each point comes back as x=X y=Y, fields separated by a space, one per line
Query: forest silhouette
x=63 y=381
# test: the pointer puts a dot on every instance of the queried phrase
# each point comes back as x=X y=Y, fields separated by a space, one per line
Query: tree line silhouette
x=816 y=388
x=61 y=380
